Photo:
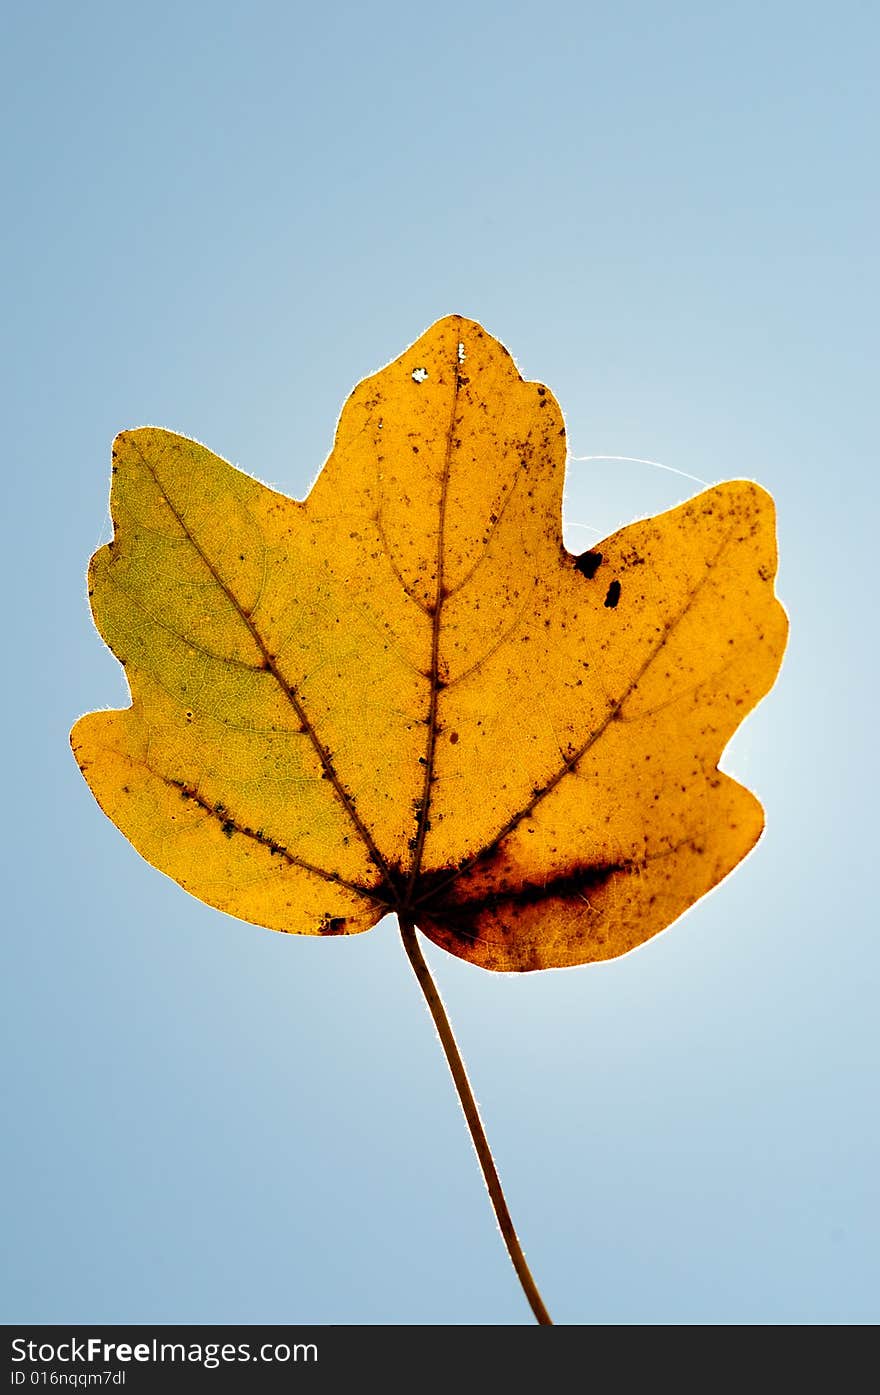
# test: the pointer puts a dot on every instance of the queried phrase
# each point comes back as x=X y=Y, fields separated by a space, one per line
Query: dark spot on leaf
x=453 y=738
x=588 y=564
x=613 y=595
x=450 y=907
x=332 y=925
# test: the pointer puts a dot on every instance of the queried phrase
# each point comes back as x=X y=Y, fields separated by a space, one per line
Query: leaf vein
x=287 y=688
x=233 y=825
x=590 y=741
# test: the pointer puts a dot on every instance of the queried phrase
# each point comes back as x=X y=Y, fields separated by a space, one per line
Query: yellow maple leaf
x=404 y=695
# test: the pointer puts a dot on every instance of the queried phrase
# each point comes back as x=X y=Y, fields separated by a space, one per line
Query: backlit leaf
x=404 y=694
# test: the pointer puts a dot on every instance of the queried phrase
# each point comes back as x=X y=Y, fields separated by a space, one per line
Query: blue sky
x=217 y=220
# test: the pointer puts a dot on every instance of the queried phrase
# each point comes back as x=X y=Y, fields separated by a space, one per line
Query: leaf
x=404 y=694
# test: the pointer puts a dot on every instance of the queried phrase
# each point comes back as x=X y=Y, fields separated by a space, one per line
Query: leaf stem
x=472 y=1115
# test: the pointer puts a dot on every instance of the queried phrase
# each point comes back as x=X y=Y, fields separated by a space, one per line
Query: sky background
x=218 y=219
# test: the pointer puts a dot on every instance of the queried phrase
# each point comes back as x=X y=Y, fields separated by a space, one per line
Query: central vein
x=424 y=809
